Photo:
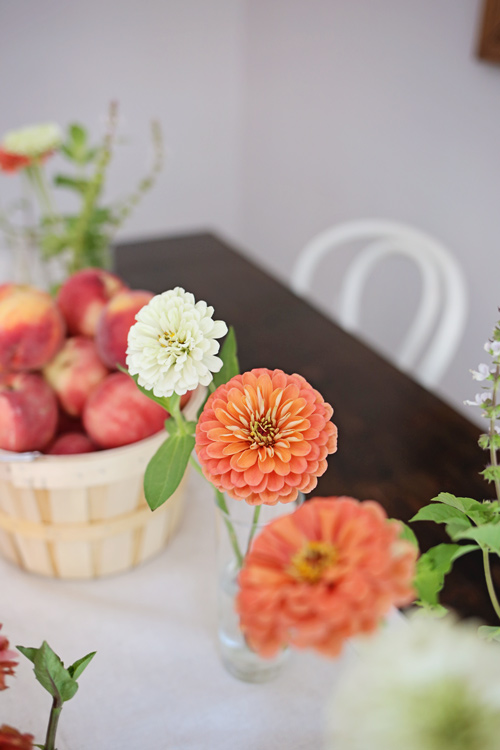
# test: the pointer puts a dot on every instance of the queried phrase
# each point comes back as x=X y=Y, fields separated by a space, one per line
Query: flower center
x=263 y=431
x=312 y=560
x=170 y=340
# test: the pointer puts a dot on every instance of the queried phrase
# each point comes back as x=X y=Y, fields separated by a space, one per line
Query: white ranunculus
x=33 y=141
x=172 y=346
x=427 y=685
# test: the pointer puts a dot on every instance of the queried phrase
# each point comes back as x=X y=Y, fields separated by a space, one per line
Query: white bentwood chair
x=437 y=328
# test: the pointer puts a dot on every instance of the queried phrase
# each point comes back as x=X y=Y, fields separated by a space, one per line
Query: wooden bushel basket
x=85 y=516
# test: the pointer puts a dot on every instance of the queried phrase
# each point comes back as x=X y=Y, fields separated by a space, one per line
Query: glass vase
x=237 y=527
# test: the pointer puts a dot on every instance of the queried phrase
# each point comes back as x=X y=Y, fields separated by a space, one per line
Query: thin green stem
x=222 y=505
x=255 y=521
x=489 y=582
x=55 y=712
x=493 y=453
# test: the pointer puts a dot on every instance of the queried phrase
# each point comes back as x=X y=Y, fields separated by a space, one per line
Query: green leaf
x=50 y=672
x=74 y=183
x=77 y=134
x=408 y=534
x=166 y=469
x=476 y=511
x=487 y=535
x=489 y=632
x=159 y=399
x=439 y=514
x=76 y=669
x=455 y=528
x=432 y=568
x=491 y=473
x=229 y=356
x=29 y=653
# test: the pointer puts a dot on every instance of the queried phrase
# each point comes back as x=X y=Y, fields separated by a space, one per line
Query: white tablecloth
x=157 y=680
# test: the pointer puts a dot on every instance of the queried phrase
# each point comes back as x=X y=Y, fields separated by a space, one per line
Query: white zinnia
x=172 y=345
x=428 y=685
x=33 y=141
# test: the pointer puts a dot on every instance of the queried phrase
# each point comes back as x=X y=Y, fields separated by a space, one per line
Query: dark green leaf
x=487 y=535
x=166 y=469
x=489 y=632
x=229 y=356
x=76 y=669
x=408 y=534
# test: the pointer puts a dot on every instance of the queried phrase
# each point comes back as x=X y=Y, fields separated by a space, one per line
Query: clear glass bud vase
x=236 y=529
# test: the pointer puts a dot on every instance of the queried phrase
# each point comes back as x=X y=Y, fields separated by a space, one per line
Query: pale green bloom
x=33 y=141
x=426 y=685
x=172 y=345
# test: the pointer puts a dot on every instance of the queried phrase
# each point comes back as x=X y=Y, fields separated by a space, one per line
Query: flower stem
x=493 y=453
x=222 y=505
x=489 y=583
x=55 y=712
x=255 y=521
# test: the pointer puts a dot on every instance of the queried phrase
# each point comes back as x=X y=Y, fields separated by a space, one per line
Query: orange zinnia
x=328 y=571
x=12 y=739
x=264 y=437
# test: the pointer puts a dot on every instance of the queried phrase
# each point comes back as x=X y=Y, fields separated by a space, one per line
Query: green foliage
x=408 y=534
x=487 y=536
x=491 y=473
x=166 y=469
x=229 y=356
x=433 y=566
x=51 y=673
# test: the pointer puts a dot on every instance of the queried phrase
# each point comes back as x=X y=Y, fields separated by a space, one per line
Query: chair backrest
x=441 y=315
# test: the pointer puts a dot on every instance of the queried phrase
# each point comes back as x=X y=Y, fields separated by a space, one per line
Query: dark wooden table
x=398 y=443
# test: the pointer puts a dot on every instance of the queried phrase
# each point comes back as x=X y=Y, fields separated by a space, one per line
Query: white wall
x=177 y=60
x=375 y=108
x=281 y=118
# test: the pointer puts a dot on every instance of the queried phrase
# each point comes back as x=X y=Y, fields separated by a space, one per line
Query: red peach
x=31 y=328
x=117 y=413
x=83 y=296
x=74 y=373
x=70 y=443
x=115 y=322
x=28 y=412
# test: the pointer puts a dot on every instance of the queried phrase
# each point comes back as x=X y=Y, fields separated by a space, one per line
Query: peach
x=117 y=413
x=28 y=412
x=31 y=328
x=70 y=443
x=74 y=372
x=115 y=322
x=83 y=296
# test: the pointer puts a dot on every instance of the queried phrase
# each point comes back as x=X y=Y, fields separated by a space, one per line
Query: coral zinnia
x=8 y=660
x=264 y=436
x=12 y=739
x=12 y=162
x=328 y=571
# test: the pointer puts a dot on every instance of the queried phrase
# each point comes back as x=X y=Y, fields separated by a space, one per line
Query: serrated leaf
x=166 y=469
x=489 y=633
x=439 y=514
x=76 y=669
x=487 y=535
x=229 y=356
x=408 y=534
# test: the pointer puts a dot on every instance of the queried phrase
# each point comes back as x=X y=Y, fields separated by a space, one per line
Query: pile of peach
x=59 y=389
